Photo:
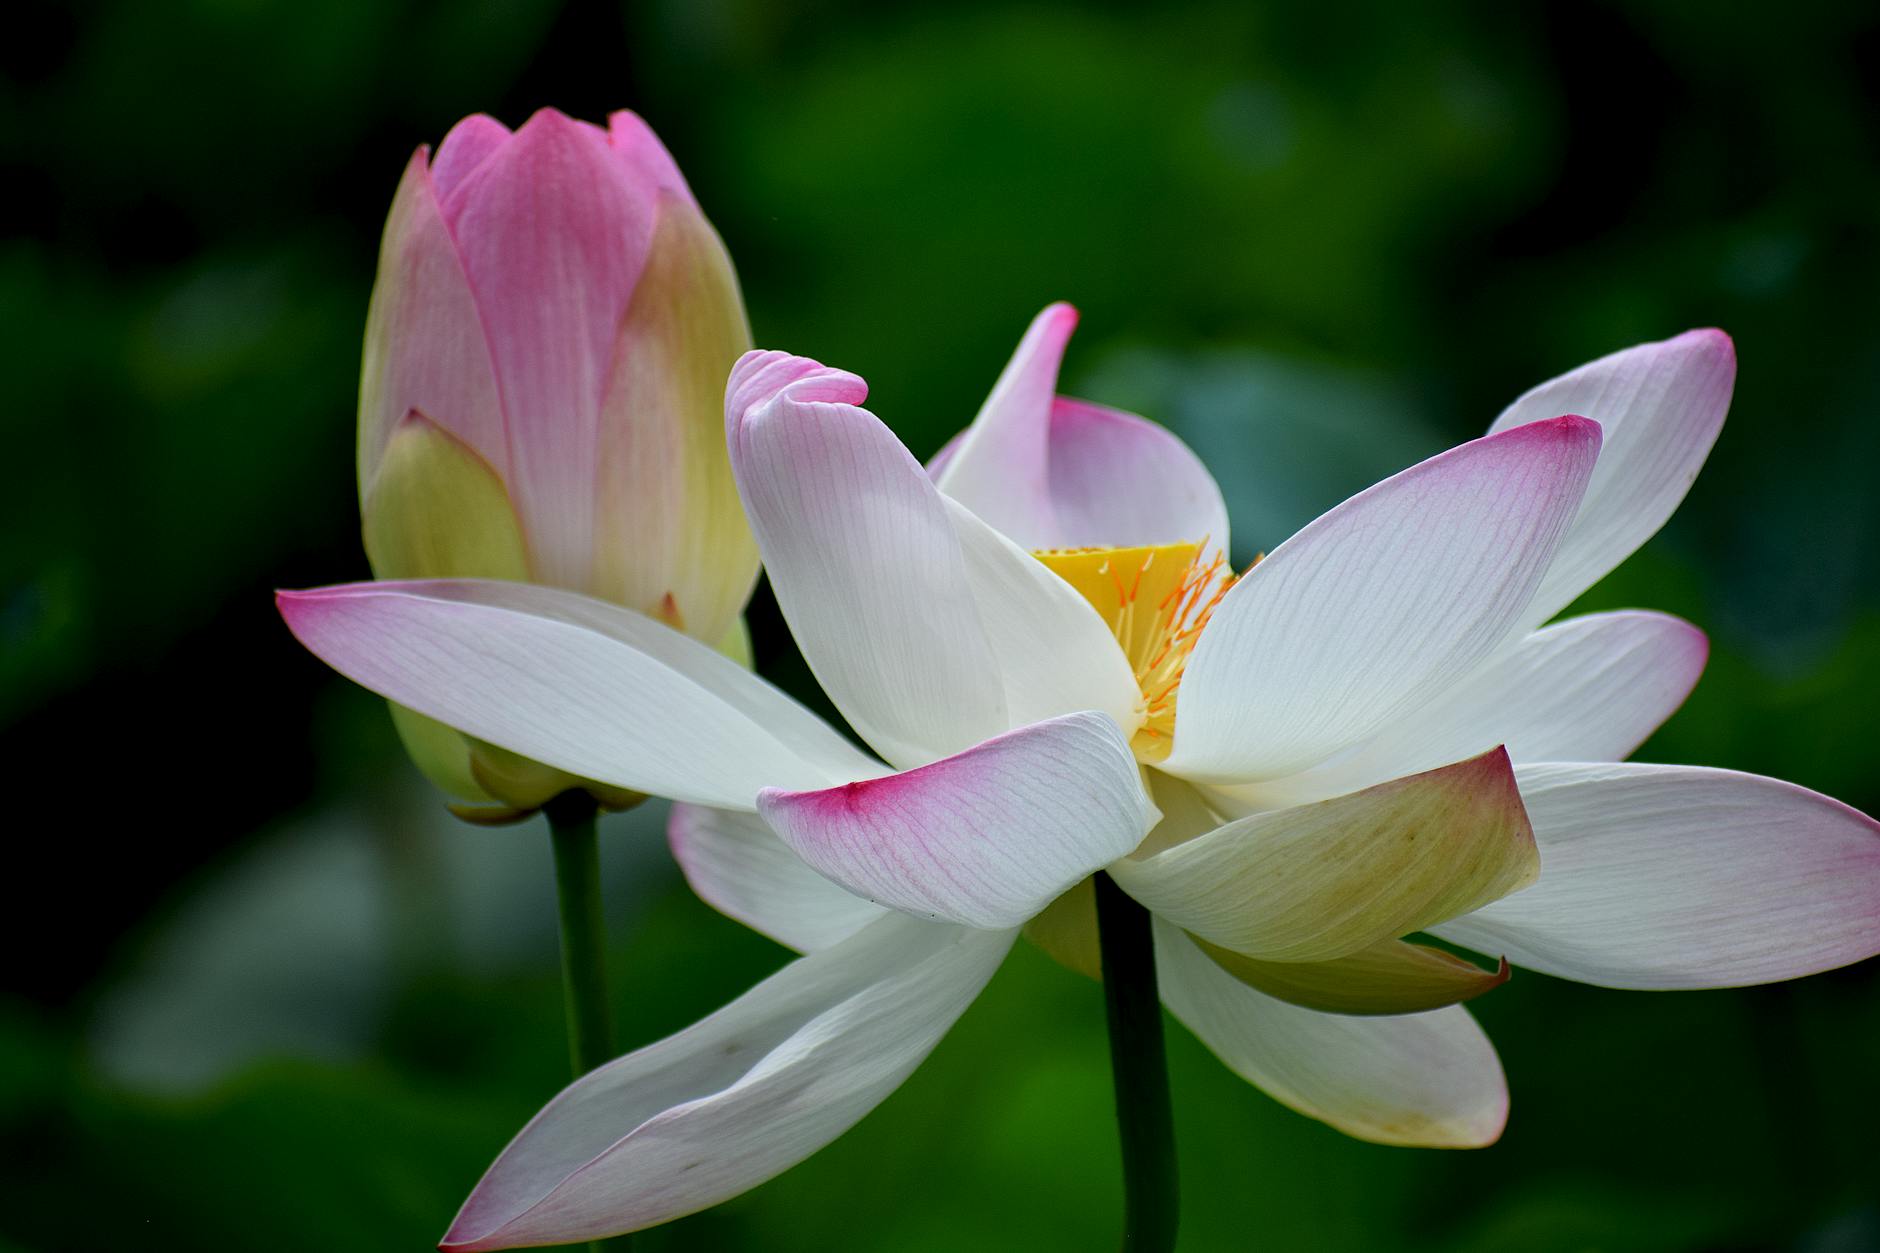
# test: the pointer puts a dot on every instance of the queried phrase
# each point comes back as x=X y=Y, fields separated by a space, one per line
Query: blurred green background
x=261 y=993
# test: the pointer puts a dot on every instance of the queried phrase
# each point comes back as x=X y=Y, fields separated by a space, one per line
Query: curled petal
x=1325 y=880
x=986 y=838
x=1429 y=1080
x=735 y=1099
x=1685 y=877
x=863 y=559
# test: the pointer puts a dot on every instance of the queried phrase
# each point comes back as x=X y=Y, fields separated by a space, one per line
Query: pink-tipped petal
x=643 y=157
x=735 y=1099
x=585 y=686
x=467 y=146
x=1317 y=882
x=425 y=349
x=1661 y=406
x=1427 y=1080
x=1590 y=688
x=1379 y=605
x=863 y=559
x=739 y=867
x=986 y=838
x=1052 y=472
x=1118 y=480
x=553 y=237
x=1685 y=877
x=1001 y=466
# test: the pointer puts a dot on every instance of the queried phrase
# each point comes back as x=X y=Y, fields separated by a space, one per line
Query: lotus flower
x=1365 y=736
x=542 y=392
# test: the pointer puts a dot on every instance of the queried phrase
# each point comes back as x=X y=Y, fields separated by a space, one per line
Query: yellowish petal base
x=1156 y=599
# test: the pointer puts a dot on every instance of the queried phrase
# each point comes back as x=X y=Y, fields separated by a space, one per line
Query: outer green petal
x=1394 y=977
x=438 y=511
x=1315 y=882
x=443 y=755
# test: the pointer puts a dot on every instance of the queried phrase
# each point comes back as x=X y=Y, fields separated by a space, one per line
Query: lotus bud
x=541 y=397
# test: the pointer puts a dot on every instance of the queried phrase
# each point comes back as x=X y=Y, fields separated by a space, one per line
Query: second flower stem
x=1139 y=1065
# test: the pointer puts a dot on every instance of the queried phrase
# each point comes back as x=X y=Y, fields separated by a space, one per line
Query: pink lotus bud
x=542 y=392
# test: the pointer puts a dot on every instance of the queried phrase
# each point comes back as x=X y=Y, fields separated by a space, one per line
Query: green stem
x=1140 y=1067
x=583 y=933
x=571 y=829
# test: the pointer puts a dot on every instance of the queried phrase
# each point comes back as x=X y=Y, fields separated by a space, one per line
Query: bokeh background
x=260 y=993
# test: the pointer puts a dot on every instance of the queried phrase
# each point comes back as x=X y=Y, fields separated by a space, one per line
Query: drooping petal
x=1685 y=877
x=553 y=237
x=1660 y=406
x=735 y=1099
x=987 y=837
x=863 y=559
x=1051 y=472
x=1428 y=1080
x=739 y=867
x=424 y=343
x=1321 y=881
x=1378 y=605
x=1586 y=689
x=1392 y=977
x=670 y=523
x=1055 y=654
x=587 y=687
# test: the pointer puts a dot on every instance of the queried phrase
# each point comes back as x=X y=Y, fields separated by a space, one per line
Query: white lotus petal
x=1661 y=406
x=1378 y=605
x=1684 y=877
x=739 y=867
x=1428 y=1079
x=737 y=1098
x=588 y=687
x=1591 y=688
x=1055 y=654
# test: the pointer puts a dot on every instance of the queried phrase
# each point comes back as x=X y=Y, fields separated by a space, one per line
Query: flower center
x=1156 y=600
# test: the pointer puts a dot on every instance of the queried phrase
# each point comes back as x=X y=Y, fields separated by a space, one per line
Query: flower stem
x=571 y=829
x=583 y=934
x=1140 y=1067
